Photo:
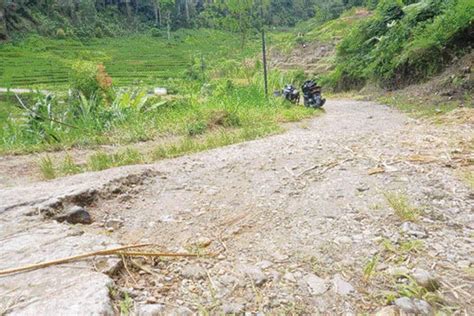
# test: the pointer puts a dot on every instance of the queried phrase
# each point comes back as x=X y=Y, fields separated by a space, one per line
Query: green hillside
x=401 y=45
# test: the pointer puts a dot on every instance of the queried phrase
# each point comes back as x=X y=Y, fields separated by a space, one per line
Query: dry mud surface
x=298 y=224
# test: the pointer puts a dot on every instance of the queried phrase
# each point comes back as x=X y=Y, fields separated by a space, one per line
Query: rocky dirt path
x=300 y=224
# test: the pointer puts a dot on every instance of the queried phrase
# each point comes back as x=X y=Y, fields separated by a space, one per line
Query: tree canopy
x=97 y=18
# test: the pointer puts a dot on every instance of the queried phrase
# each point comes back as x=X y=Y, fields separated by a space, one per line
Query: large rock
x=76 y=215
x=58 y=291
x=72 y=289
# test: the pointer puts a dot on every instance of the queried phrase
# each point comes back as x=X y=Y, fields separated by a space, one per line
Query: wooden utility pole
x=264 y=50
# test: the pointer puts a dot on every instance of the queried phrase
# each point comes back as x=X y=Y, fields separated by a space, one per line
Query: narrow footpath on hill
x=359 y=210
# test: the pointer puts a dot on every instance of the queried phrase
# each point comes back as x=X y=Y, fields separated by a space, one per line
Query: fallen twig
x=155 y=254
x=121 y=251
x=328 y=166
x=376 y=171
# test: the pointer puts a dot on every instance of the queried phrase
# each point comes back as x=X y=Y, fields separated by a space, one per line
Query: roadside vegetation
x=403 y=43
x=96 y=112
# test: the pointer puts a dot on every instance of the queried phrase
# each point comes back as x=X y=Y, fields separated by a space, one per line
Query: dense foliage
x=99 y=18
x=401 y=44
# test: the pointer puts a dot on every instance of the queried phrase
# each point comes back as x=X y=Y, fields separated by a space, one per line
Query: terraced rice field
x=45 y=63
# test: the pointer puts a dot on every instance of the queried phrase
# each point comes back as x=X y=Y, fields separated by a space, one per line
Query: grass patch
x=419 y=109
x=218 y=139
x=69 y=167
x=101 y=160
x=401 y=206
x=47 y=169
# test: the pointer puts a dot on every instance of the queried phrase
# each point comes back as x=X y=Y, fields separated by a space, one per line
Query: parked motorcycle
x=312 y=94
x=291 y=94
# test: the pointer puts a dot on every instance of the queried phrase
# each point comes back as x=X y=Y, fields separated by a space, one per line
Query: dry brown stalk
x=121 y=251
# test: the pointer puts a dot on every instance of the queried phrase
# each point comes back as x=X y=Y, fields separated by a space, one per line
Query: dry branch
x=120 y=251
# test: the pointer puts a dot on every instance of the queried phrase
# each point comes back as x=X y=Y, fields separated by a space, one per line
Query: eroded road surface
x=299 y=223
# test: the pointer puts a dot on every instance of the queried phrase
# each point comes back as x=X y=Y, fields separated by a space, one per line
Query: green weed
x=370 y=267
x=404 y=247
x=401 y=206
x=126 y=305
x=68 y=166
x=47 y=168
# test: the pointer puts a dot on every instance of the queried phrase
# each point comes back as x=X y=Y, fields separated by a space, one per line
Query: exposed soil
x=292 y=220
x=313 y=58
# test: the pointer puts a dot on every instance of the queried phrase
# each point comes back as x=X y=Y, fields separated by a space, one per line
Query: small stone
x=203 y=242
x=255 y=273
x=398 y=271
x=342 y=287
x=193 y=272
x=289 y=277
x=414 y=230
x=343 y=240
x=317 y=286
x=406 y=305
x=233 y=308
x=229 y=280
x=265 y=264
x=113 y=224
x=75 y=215
x=279 y=257
x=388 y=311
x=150 y=310
x=425 y=279
x=423 y=307
x=182 y=311
x=362 y=187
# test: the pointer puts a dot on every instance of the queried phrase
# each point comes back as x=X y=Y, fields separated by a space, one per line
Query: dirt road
x=300 y=223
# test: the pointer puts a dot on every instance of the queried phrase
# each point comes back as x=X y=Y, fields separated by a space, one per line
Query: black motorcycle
x=312 y=95
x=291 y=94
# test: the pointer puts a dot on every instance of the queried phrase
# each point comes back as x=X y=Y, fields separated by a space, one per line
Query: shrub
x=90 y=79
x=60 y=33
x=196 y=128
x=84 y=78
x=223 y=118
